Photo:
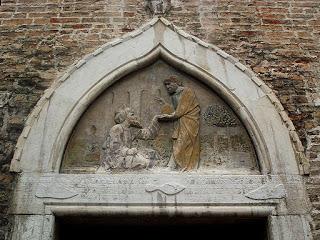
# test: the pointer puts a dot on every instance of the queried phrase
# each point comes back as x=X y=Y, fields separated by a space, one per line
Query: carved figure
x=118 y=152
x=158 y=6
x=185 y=112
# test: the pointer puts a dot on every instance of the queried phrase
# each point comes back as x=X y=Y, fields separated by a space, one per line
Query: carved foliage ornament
x=158 y=7
x=219 y=116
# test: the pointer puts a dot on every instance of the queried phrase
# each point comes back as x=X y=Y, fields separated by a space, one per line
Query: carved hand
x=160 y=100
x=155 y=118
x=165 y=117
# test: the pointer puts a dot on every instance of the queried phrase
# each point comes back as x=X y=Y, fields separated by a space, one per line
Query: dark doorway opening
x=150 y=227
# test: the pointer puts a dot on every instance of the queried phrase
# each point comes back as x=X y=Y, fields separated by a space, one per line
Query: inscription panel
x=35 y=192
x=150 y=190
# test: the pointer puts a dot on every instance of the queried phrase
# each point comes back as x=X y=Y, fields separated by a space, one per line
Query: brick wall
x=279 y=40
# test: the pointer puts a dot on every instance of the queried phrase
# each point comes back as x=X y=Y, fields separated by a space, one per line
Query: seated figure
x=117 y=150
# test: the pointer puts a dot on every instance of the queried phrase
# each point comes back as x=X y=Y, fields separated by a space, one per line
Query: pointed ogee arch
x=51 y=122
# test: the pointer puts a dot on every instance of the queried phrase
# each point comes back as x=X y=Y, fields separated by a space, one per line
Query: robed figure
x=117 y=150
x=185 y=112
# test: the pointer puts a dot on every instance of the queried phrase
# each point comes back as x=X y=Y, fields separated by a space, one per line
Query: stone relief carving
x=216 y=115
x=118 y=152
x=185 y=112
x=267 y=191
x=57 y=190
x=186 y=127
x=167 y=188
x=158 y=7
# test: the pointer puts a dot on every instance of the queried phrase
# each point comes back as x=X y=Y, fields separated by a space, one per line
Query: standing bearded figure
x=185 y=112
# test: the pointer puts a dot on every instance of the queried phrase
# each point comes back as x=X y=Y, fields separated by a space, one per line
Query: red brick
x=5 y=14
x=128 y=14
x=275 y=21
x=64 y=20
x=43 y=15
x=17 y=22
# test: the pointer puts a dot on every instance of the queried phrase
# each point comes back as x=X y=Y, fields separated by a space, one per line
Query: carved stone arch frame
x=40 y=148
x=159 y=52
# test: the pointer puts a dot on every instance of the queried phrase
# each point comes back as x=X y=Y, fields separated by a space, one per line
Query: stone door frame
x=40 y=147
x=54 y=211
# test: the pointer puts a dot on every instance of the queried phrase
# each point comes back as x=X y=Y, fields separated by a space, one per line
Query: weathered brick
x=64 y=20
x=16 y=22
x=42 y=15
x=5 y=15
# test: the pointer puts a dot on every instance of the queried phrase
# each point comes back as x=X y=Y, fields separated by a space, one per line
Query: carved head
x=172 y=83
x=127 y=115
x=158 y=7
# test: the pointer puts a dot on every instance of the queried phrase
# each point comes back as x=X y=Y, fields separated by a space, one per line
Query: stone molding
x=126 y=195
